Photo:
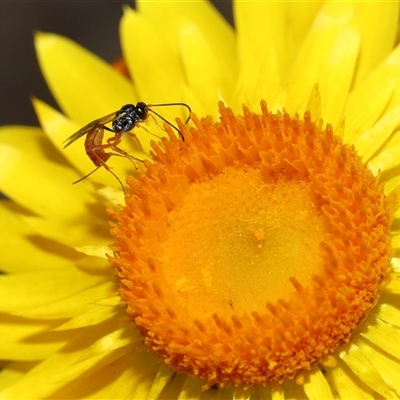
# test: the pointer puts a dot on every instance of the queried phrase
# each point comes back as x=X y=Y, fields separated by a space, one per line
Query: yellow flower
x=192 y=312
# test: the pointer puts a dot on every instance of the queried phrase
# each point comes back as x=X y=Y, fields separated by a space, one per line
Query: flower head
x=253 y=204
x=255 y=258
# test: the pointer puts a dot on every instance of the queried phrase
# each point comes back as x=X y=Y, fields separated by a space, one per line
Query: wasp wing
x=92 y=125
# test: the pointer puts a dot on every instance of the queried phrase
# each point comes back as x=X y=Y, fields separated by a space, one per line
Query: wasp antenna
x=174 y=104
x=169 y=123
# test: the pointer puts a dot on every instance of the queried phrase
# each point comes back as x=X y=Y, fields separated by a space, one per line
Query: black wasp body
x=129 y=116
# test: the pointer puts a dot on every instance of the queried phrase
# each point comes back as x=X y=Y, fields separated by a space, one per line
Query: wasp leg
x=90 y=173
x=113 y=145
x=109 y=169
x=100 y=157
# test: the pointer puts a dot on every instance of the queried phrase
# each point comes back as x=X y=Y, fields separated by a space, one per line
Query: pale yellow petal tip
x=329 y=361
x=115 y=196
x=314 y=103
x=393 y=285
x=94 y=251
x=128 y=9
x=279 y=102
x=395 y=264
x=38 y=34
x=44 y=38
x=109 y=301
x=393 y=200
x=300 y=378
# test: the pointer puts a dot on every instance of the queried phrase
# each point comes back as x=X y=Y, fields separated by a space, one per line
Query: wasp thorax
x=124 y=124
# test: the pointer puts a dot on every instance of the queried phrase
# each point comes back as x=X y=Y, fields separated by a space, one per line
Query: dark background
x=92 y=24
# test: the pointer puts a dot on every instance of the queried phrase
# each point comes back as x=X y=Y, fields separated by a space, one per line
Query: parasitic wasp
x=122 y=121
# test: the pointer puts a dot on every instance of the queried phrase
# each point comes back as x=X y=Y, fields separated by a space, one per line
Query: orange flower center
x=237 y=233
x=253 y=249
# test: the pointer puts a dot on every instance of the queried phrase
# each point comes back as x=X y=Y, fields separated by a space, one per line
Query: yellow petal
x=82 y=369
x=371 y=140
x=14 y=371
x=316 y=387
x=23 y=244
x=277 y=392
x=217 y=32
x=163 y=376
x=28 y=340
x=378 y=42
x=202 y=69
x=279 y=101
x=337 y=74
x=110 y=301
x=58 y=128
x=362 y=367
x=196 y=102
x=30 y=141
x=385 y=336
x=129 y=377
x=113 y=196
x=41 y=289
x=393 y=201
x=394 y=284
x=157 y=70
x=240 y=393
x=314 y=103
x=226 y=393
x=395 y=98
x=395 y=242
x=362 y=109
x=173 y=388
x=346 y=386
x=36 y=177
x=37 y=383
x=388 y=368
x=262 y=49
x=192 y=389
x=71 y=233
x=119 y=338
x=93 y=316
x=95 y=251
x=331 y=21
x=293 y=390
x=388 y=313
x=391 y=184
x=84 y=86
x=301 y=16
x=264 y=392
x=387 y=158
x=267 y=86
x=71 y=305
x=395 y=264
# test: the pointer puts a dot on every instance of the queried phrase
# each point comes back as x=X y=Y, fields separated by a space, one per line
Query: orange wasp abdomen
x=94 y=147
